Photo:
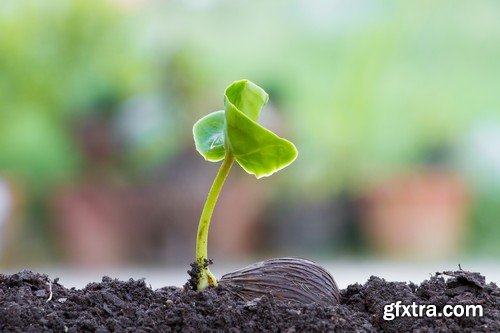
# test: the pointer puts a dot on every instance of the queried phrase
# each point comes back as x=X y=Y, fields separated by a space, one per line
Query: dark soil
x=30 y=302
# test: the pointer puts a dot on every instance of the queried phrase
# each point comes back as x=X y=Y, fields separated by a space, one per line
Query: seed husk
x=293 y=280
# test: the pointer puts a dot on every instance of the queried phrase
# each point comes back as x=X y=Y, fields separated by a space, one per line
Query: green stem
x=206 y=278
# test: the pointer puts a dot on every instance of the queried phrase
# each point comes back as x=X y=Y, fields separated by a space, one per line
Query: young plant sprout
x=233 y=134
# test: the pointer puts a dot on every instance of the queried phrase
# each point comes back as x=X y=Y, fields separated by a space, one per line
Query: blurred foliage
x=368 y=86
x=486 y=229
x=365 y=88
x=59 y=59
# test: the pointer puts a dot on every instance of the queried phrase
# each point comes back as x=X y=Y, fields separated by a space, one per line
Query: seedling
x=234 y=134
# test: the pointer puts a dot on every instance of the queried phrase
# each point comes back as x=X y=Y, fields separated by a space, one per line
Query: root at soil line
x=194 y=274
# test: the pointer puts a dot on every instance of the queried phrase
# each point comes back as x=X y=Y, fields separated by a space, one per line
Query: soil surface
x=31 y=302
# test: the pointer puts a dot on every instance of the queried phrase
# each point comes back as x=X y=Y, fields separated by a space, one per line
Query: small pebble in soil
x=41 y=293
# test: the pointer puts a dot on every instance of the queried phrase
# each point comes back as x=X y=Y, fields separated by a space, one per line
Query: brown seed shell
x=291 y=279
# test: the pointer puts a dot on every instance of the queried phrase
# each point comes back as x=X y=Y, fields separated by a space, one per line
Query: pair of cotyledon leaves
x=235 y=131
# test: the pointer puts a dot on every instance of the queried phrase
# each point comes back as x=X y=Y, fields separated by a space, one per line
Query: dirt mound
x=30 y=302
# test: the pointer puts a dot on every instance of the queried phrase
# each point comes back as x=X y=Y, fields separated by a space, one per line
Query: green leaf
x=259 y=151
x=208 y=135
x=236 y=131
x=247 y=97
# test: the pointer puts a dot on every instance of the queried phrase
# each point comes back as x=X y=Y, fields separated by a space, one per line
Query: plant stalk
x=206 y=278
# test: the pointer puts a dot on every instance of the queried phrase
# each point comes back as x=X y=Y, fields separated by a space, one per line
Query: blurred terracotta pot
x=417 y=215
x=91 y=224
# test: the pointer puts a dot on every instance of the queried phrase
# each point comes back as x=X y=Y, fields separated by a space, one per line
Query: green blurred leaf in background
x=367 y=89
x=59 y=59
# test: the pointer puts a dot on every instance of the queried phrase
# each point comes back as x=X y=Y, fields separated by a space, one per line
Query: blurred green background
x=393 y=105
